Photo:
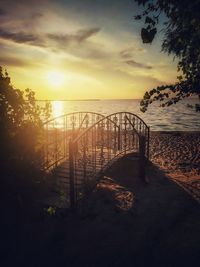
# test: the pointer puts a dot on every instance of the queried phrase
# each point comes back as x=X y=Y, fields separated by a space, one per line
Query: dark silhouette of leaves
x=181 y=38
x=148 y=35
x=20 y=124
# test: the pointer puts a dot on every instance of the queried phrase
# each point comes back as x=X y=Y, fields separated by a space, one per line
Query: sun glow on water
x=57 y=109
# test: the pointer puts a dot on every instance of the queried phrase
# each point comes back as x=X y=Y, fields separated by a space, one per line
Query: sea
x=179 y=117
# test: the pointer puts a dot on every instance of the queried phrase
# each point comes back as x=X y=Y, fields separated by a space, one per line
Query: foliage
x=21 y=129
x=181 y=38
x=51 y=211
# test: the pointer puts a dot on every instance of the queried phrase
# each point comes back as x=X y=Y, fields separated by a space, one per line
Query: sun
x=55 y=78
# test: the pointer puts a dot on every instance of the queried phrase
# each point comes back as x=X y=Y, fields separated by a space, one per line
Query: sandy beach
x=176 y=151
x=178 y=155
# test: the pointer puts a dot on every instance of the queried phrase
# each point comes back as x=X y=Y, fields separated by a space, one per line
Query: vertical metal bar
x=79 y=119
x=71 y=176
x=95 y=151
x=142 y=159
x=84 y=162
x=110 y=140
x=47 y=146
x=107 y=139
x=101 y=143
x=148 y=137
x=119 y=135
x=115 y=137
x=64 y=130
x=125 y=133
x=67 y=125
x=129 y=133
x=56 y=146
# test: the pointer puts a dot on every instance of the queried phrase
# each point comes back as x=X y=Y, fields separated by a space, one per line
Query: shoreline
x=175 y=131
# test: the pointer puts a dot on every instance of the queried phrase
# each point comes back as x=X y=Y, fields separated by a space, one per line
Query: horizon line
x=89 y=99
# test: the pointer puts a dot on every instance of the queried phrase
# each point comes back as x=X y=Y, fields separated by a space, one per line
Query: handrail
x=95 y=147
x=130 y=113
x=107 y=117
x=69 y=114
x=88 y=129
x=57 y=132
x=89 y=144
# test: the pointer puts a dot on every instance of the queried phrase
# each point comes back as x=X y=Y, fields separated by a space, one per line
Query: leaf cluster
x=181 y=29
x=21 y=127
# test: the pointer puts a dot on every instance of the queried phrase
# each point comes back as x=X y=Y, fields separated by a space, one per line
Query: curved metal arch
x=110 y=120
x=89 y=145
x=130 y=113
x=56 y=138
x=97 y=147
x=72 y=113
x=92 y=126
x=108 y=117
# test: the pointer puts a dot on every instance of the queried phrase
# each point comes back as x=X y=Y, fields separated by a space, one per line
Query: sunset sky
x=80 y=49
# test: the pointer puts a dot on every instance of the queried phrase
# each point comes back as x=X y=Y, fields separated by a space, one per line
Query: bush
x=20 y=135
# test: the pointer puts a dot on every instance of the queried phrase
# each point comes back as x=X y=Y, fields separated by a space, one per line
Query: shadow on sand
x=133 y=223
x=123 y=222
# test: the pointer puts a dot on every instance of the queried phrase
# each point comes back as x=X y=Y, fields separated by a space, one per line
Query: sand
x=178 y=155
x=176 y=151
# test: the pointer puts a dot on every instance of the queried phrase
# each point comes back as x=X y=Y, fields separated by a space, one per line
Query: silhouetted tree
x=20 y=128
x=180 y=21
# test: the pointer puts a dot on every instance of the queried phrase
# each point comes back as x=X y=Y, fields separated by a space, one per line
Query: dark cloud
x=2 y=12
x=67 y=42
x=18 y=37
x=84 y=34
x=32 y=20
x=12 y=61
x=77 y=37
x=133 y=63
x=22 y=38
x=36 y=15
x=129 y=52
x=125 y=54
x=35 y=39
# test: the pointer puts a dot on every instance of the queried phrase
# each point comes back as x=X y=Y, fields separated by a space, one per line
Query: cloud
x=2 y=12
x=13 y=61
x=135 y=64
x=31 y=21
x=130 y=51
x=19 y=37
x=37 y=29
x=65 y=42
x=86 y=33
x=78 y=44
x=78 y=37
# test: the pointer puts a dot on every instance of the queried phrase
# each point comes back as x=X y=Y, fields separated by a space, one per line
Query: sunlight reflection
x=57 y=108
x=120 y=196
x=57 y=111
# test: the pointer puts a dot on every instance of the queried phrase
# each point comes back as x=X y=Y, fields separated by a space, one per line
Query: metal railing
x=58 y=131
x=96 y=148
